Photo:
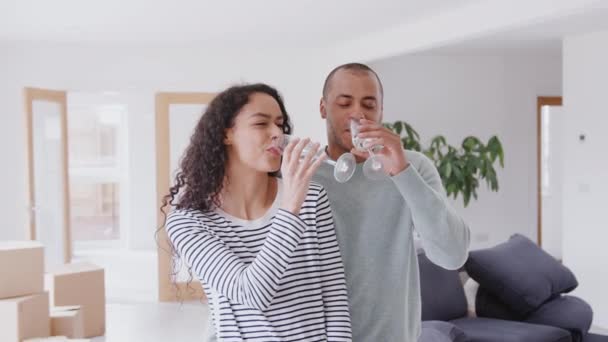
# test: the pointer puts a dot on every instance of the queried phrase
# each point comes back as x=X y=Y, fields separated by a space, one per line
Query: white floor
x=599 y=330
x=133 y=313
x=155 y=322
x=162 y=322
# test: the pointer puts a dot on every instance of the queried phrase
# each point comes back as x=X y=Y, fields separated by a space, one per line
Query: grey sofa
x=443 y=299
x=522 y=297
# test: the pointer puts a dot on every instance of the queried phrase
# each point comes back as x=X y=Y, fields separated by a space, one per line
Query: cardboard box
x=22 y=268
x=57 y=339
x=80 y=284
x=25 y=317
x=67 y=321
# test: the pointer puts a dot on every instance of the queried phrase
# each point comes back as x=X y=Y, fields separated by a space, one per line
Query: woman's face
x=250 y=140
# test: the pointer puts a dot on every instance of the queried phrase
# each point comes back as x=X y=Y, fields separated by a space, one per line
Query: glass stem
x=372 y=156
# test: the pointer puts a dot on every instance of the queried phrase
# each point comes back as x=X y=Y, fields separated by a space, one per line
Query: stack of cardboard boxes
x=56 y=339
x=67 y=301
x=77 y=294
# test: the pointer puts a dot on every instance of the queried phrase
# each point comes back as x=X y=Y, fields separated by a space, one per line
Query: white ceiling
x=541 y=38
x=285 y=22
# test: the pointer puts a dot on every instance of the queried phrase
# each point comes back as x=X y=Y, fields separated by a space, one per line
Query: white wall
x=12 y=147
x=457 y=96
x=140 y=71
x=586 y=167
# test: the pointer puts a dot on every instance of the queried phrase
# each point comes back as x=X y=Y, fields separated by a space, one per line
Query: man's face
x=351 y=95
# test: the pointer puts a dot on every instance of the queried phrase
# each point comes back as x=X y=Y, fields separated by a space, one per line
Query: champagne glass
x=344 y=167
x=372 y=168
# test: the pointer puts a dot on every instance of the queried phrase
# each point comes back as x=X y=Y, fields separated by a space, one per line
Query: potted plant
x=461 y=168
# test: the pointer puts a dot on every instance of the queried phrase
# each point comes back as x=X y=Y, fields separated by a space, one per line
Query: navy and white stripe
x=280 y=280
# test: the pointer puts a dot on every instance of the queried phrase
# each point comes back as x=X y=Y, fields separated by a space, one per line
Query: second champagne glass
x=373 y=167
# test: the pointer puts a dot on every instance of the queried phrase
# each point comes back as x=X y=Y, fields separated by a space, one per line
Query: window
x=96 y=148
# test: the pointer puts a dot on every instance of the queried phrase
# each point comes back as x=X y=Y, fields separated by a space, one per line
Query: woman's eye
x=260 y=124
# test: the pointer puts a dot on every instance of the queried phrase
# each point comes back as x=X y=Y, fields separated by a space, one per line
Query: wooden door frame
x=60 y=97
x=540 y=102
x=168 y=290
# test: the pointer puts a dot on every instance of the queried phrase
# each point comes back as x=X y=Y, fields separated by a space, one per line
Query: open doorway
x=549 y=173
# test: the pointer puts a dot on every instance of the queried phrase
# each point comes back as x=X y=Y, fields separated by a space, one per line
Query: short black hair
x=353 y=67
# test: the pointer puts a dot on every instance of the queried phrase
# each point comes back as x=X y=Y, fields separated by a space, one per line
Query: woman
x=263 y=247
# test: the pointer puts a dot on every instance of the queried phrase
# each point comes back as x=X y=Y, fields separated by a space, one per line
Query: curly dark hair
x=202 y=167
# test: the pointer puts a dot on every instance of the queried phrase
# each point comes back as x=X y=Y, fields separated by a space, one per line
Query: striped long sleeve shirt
x=278 y=278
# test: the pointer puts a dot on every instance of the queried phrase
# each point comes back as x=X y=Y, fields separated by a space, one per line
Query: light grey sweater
x=374 y=222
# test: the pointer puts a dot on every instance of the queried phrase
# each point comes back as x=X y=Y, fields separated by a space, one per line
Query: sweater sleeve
x=212 y=261
x=333 y=281
x=444 y=235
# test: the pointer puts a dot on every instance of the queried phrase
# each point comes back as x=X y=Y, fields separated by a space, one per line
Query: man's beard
x=337 y=138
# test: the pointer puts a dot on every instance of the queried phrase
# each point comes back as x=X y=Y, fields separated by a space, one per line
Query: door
x=47 y=150
x=176 y=118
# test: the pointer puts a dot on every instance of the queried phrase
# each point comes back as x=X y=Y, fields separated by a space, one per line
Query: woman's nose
x=276 y=132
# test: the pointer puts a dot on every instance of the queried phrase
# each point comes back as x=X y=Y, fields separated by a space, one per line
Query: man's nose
x=357 y=115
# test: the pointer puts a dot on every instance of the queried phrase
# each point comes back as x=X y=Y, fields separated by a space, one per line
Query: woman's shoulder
x=207 y=218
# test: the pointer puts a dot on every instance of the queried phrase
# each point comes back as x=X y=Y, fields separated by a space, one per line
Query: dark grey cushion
x=566 y=312
x=489 y=330
x=442 y=293
x=520 y=274
x=438 y=331
x=487 y=305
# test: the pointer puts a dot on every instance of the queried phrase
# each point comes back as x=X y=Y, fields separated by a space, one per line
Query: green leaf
x=451 y=188
x=399 y=128
x=470 y=142
x=467 y=197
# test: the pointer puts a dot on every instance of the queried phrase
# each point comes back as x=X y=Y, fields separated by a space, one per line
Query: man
x=375 y=220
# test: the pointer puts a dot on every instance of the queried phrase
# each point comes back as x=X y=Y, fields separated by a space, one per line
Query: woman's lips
x=274 y=150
